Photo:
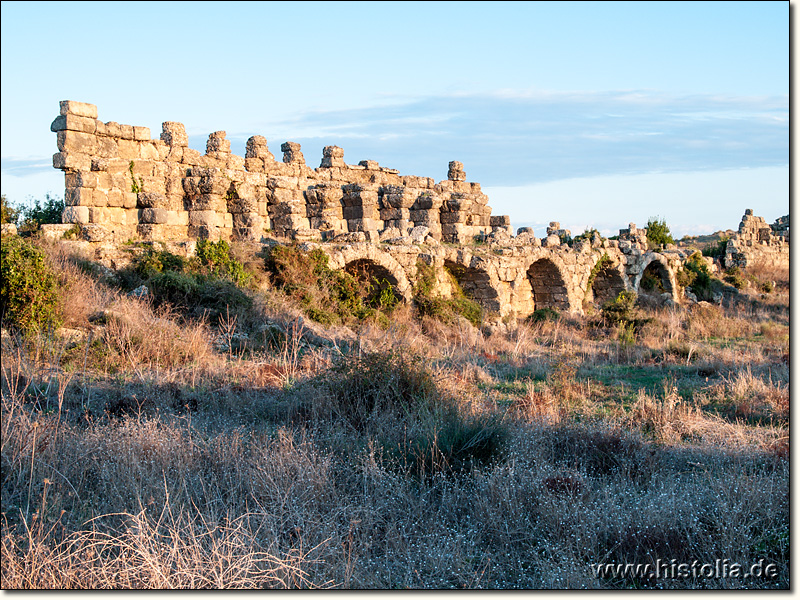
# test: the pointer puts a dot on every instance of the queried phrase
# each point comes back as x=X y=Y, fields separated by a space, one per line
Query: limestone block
x=217 y=143
x=74 y=141
x=113 y=129
x=99 y=198
x=242 y=205
x=427 y=202
x=75 y=214
x=215 y=185
x=128 y=149
x=107 y=148
x=292 y=154
x=155 y=216
x=80 y=109
x=174 y=134
x=451 y=218
x=247 y=221
x=93 y=232
x=254 y=165
x=74 y=123
x=235 y=162
x=151 y=200
x=141 y=134
x=148 y=150
x=257 y=148
x=177 y=217
x=79 y=197
x=213 y=202
x=126 y=132
x=205 y=218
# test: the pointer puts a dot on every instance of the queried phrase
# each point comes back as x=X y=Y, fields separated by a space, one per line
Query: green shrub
x=658 y=233
x=444 y=309
x=31 y=299
x=696 y=276
x=621 y=308
x=38 y=215
x=8 y=212
x=543 y=314
x=717 y=250
x=216 y=258
x=735 y=277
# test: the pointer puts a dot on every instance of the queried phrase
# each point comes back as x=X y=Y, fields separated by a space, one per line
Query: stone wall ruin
x=121 y=185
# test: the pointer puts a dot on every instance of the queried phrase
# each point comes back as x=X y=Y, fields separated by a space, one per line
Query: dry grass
x=150 y=455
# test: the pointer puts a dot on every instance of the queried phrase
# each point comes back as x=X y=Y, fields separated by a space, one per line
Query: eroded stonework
x=122 y=186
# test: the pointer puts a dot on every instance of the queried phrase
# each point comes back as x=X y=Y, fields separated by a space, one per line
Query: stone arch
x=476 y=281
x=656 y=270
x=548 y=286
x=366 y=260
x=606 y=280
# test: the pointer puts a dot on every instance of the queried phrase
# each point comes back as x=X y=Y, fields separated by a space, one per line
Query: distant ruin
x=123 y=186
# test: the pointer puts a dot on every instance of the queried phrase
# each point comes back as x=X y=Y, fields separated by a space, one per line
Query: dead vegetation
x=261 y=449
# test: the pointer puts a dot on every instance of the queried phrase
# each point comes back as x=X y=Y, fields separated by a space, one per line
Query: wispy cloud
x=517 y=139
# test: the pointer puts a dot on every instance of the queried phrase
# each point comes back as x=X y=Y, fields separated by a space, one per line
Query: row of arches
x=543 y=285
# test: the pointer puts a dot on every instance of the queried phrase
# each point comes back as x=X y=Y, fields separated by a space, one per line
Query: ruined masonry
x=122 y=186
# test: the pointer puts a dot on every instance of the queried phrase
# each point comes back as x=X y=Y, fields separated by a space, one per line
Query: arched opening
x=655 y=280
x=547 y=286
x=606 y=284
x=474 y=283
x=377 y=286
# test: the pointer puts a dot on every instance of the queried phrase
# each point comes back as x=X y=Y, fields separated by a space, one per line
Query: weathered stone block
x=153 y=215
x=174 y=134
x=74 y=123
x=80 y=109
x=75 y=214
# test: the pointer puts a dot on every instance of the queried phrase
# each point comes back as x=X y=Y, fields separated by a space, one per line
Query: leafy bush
x=217 y=259
x=696 y=276
x=543 y=314
x=38 y=215
x=735 y=277
x=658 y=233
x=8 y=212
x=444 y=309
x=717 y=250
x=30 y=289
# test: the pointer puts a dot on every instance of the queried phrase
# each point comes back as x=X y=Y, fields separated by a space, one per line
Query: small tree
x=8 y=212
x=658 y=233
x=37 y=214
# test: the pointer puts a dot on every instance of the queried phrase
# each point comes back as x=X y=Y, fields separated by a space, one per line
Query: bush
x=8 y=212
x=696 y=276
x=39 y=215
x=658 y=233
x=325 y=295
x=444 y=309
x=31 y=299
x=735 y=277
x=393 y=398
x=718 y=250
x=543 y=314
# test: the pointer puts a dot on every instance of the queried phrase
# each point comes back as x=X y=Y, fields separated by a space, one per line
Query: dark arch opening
x=655 y=279
x=475 y=283
x=606 y=286
x=547 y=286
x=377 y=286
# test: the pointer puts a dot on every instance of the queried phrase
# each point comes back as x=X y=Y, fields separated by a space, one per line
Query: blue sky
x=593 y=114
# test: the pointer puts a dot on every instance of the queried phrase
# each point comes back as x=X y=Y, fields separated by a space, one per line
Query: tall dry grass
x=147 y=455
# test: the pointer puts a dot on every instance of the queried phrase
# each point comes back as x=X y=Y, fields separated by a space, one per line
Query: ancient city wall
x=121 y=184
x=756 y=242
